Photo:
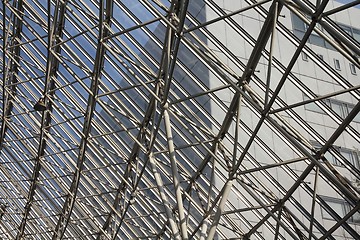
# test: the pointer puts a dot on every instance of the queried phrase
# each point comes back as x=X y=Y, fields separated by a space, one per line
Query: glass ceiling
x=177 y=120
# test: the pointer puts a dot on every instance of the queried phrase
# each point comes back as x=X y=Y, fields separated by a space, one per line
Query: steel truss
x=139 y=120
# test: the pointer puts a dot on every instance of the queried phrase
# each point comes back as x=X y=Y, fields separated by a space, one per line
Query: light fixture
x=40 y=105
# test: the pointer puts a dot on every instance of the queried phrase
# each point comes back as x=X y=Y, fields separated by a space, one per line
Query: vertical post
x=313 y=203
x=237 y=131
x=10 y=69
x=206 y=222
x=163 y=197
x=204 y=228
x=272 y=40
x=64 y=218
x=278 y=225
x=220 y=210
x=175 y=173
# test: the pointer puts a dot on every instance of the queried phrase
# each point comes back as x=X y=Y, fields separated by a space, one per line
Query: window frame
x=337 y=64
x=353 y=153
x=304 y=57
x=352 y=69
x=345 y=107
x=345 y=207
x=300 y=27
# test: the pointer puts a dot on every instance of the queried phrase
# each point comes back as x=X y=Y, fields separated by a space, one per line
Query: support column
x=163 y=197
x=220 y=209
x=175 y=172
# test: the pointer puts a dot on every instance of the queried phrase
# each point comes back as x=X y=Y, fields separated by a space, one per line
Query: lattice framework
x=114 y=125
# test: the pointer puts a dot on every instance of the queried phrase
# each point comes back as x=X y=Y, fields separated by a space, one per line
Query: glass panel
x=312 y=106
x=317 y=40
x=356 y=34
x=337 y=107
x=298 y=23
x=356 y=217
x=346 y=29
x=331 y=158
x=337 y=207
x=352 y=69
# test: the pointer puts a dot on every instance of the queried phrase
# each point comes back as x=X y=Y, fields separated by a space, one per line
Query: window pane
x=348 y=155
x=352 y=69
x=356 y=217
x=312 y=106
x=317 y=40
x=337 y=64
x=337 y=107
x=298 y=23
x=356 y=34
x=337 y=207
x=331 y=158
x=357 y=118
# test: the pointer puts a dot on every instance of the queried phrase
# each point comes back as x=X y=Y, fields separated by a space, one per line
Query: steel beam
x=151 y=136
x=219 y=211
x=54 y=28
x=132 y=158
x=283 y=79
x=337 y=178
x=90 y=107
x=277 y=231
x=270 y=212
x=12 y=66
x=175 y=174
x=314 y=162
x=272 y=43
x=313 y=203
x=167 y=206
x=342 y=221
x=249 y=70
x=342 y=8
x=167 y=66
x=345 y=42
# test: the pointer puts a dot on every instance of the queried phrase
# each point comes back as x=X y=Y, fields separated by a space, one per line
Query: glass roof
x=179 y=119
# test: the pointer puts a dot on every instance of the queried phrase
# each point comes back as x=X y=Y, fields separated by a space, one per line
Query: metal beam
x=249 y=70
x=342 y=221
x=90 y=107
x=313 y=203
x=12 y=66
x=334 y=30
x=100 y=189
x=54 y=29
x=175 y=175
x=167 y=206
x=219 y=211
x=314 y=162
x=341 y=8
x=165 y=73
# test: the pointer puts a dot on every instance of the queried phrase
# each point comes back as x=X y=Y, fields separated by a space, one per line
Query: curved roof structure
x=179 y=119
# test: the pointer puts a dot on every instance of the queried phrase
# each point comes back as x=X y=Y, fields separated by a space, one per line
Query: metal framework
x=179 y=119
